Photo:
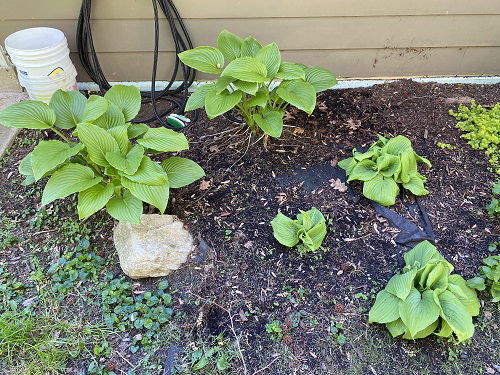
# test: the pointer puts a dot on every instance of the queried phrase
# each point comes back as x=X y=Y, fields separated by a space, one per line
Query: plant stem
x=60 y=134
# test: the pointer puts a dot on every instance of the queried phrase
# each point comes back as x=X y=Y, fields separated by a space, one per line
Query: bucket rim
x=31 y=29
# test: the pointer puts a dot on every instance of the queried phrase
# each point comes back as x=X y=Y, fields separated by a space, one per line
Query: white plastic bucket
x=41 y=57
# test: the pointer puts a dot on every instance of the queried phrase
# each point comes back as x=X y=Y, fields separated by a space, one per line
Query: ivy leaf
x=418 y=311
x=71 y=178
x=28 y=114
x=385 y=308
x=126 y=98
x=205 y=59
x=217 y=104
x=381 y=190
x=127 y=208
x=285 y=230
x=181 y=171
x=299 y=94
x=197 y=98
x=93 y=199
x=164 y=140
x=271 y=122
x=229 y=44
x=246 y=69
x=49 y=154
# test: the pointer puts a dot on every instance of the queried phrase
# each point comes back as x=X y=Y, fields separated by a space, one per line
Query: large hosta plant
x=107 y=162
x=426 y=298
x=387 y=164
x=245 y=82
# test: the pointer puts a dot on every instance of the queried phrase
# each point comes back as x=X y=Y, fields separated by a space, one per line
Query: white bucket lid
x=35 y=39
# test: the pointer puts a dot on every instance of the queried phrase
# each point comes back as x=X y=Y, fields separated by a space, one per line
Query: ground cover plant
x=489 y=277
x=104 y=167
x=426 y=298
x=386 y=164
x=493 y=207
x=307 y=231
x=245 y=85
x=240 y=278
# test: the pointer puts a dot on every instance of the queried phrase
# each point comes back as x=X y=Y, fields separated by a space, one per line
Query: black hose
x=178 y=96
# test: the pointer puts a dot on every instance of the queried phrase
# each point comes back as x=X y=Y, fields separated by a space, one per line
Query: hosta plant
x=107 y=162
x=246 y=71
x=426 y=298
x=387 y=164
x=306 y=232
x=489 y=276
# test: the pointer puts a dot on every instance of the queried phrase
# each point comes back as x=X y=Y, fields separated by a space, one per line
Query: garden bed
x=240 y=279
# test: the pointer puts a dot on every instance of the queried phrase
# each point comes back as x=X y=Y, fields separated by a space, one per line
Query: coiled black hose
x=175 y=96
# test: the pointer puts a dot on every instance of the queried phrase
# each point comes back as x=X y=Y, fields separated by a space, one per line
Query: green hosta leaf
x=458 y=286
x=455 y=314
x=316 y=216
x=181 y=171
x=304 y=219
x=306 y=240
x=401 y=284
x=423 y=333
x=260 y=100
x=26 y=170
x=445 y=330
x=247 y=87
x=363 y=155
x=97 y=141
x=156 y=195
x=416 y=186
x=298 y=93
x=437 y=278
x=29 y=114
x=365 y=170
x=396 y=327
x=71 y=108
x=229 y=44
x=221 y=84
x=164 y=140
x=136 y=130
x=204 y=59
x=347 y=165
x=120 y=134
x=271 y=122
x=93 y=199
x=217 y=104
x=408 y=166
x=397 y=145
x=285 y=230
x=476 y=283
x=317 y=235
x=423 y=160
x=197 y=98
x=388 y=165
x=148 y=173
x=270 y=56
x=126 y=98
x=381 y=190
x=111 y=118
x=320 y=78
x=420 y=255
x=418 y=311
x=385 y=309
x=250 y=47
x=127 y=209
x=246 y=69
x=71 y=178
x=128 y=163
x=289 y=71
x=49 y=154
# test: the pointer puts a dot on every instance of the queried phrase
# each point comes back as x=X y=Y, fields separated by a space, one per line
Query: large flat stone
x=7 y=135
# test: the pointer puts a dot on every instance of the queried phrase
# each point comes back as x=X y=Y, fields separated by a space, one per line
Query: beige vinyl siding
x=352 y=38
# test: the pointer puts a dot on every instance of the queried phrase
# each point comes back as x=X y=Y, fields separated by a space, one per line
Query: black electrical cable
x=180 y=36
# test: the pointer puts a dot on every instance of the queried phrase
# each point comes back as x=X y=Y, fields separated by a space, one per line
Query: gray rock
x=154 y=248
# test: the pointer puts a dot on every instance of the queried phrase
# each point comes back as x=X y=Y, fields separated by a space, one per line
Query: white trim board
x=341 y=84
